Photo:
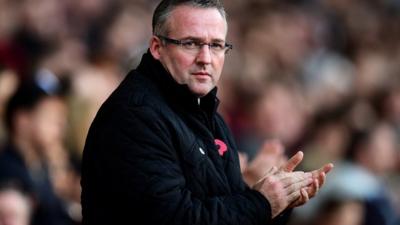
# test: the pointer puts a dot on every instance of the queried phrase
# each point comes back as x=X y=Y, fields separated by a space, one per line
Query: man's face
x=199 y=70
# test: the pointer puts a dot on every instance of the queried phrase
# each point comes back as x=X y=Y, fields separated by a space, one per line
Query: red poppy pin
x=222 y=148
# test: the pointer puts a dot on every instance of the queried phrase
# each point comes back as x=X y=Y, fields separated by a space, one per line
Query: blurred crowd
x=321 y=76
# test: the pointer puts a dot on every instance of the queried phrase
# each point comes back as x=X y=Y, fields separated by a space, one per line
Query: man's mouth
x=201 y=74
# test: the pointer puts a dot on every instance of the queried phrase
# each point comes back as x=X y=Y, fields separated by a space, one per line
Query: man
x=157 y=151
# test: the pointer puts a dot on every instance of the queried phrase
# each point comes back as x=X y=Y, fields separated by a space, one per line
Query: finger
x=321 y=179
x=296 y=186
x=304 y=196
x=270 y=172
x=326 y=169
x=313 y=189
x=293 y=197
x=243 y=161
x=243 y=156
x=281 y=174
x=293 y=162
x=321 y=176
x=294 y=177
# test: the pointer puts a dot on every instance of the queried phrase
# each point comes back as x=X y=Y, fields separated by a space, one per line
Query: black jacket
x=154 y=155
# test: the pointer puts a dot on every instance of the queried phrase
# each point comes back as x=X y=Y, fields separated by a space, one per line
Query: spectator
x=16 y=205
x=26 y=158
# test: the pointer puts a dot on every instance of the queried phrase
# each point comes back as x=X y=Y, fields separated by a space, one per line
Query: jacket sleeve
x=282 y=218
x=147 y=171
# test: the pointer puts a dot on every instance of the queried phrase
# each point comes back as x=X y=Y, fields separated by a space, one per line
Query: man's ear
x=155 y=47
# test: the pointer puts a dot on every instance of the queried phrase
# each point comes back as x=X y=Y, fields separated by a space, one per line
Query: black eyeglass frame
x=199 y=44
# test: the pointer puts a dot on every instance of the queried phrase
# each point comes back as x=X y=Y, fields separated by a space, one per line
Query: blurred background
x=321 y=76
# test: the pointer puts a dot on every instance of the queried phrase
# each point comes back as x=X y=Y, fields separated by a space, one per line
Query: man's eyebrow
x=201 y=40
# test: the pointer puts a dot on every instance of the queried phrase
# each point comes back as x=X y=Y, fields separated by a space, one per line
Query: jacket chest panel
x=204 y=176
x=202 y=165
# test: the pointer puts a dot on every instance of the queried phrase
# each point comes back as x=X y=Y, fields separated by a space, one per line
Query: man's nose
x=204 y=55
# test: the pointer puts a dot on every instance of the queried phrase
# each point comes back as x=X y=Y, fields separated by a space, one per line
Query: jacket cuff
x=262 y=205
x=284 y=217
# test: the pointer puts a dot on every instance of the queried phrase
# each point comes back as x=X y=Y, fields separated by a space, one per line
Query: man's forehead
x=197 y=22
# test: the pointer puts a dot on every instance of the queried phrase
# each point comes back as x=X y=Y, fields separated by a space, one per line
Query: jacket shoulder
x=135 y=101
x=136 y=90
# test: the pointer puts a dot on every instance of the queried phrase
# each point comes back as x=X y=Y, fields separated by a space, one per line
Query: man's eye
x=189 y=44
x=217 y=46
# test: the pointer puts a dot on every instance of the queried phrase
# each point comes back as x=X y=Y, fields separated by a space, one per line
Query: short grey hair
x=164 y=9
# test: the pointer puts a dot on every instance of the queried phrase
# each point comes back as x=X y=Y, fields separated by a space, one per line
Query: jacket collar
x=175 y=93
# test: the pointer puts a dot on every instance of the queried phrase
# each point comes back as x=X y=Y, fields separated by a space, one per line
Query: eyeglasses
x=194 y=46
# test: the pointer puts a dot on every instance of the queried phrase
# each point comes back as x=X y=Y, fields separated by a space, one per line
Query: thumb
x=293 y=162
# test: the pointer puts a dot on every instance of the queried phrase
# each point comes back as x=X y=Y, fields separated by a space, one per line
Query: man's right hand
x=281 y=186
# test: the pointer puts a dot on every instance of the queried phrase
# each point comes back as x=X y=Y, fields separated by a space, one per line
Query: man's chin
x=200 y=90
